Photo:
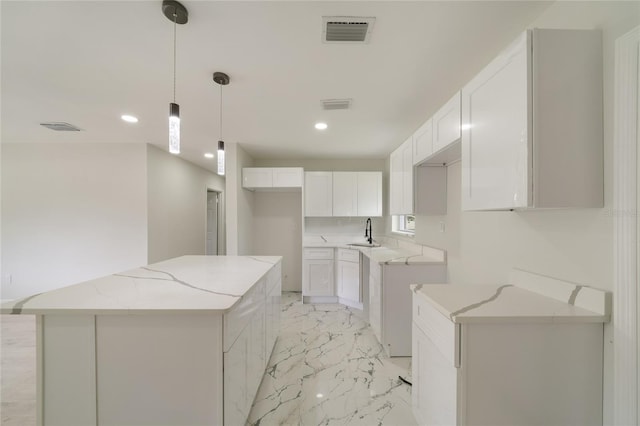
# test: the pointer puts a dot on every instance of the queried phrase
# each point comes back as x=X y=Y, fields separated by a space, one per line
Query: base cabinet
x=348 y=277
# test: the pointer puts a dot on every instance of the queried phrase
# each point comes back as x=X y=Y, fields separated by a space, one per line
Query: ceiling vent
x=59 y=126
x=347 y=29
x=331 y=104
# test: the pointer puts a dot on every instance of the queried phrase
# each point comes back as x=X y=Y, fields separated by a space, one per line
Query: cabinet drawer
x=349 y=255
x=439 y=329
x=318 y=253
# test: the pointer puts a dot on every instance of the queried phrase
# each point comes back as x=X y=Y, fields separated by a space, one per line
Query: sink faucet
x=368 y=233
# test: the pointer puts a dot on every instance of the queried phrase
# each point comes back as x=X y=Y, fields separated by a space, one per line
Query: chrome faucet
x=368 y=233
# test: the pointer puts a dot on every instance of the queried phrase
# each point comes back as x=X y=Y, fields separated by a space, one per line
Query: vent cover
x=347 y=29
x=61 y=126
x=330 y=104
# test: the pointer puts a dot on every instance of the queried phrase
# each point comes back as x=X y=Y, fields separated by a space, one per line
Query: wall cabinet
x=348 y=277
x=423 y=142
x=318 y=194
x=446 y=124
x=350 y=194
x=401 y=179
x=532 y=119
x=317 y=274
x=272 y=178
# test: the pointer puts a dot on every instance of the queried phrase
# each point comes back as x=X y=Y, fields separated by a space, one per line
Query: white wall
x=177 y=205
x=239 y=203
x=71 y=212
x=277 y=231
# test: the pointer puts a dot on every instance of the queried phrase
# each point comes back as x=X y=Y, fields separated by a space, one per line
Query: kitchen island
x=179 y=342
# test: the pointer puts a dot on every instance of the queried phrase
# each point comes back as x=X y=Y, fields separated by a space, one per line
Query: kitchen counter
x=502 y=303
x=407 y=254
x=211 y=284
x=180 y=342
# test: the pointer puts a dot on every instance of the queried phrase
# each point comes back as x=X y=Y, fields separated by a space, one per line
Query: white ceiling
x=88 y=62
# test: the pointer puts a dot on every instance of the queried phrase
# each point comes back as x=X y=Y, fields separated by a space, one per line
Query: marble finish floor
x=327 y=368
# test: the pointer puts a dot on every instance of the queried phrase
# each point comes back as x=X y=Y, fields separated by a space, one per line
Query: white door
x=407 y=177
x=318 y=194
x=318 y=277
x=212 y=223
x=345 y=194
x=395 y=182
x=349 y=280
x=369 y=194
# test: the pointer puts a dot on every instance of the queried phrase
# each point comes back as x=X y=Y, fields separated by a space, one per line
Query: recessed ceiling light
x=129 y=118
x=208 y=155
x=319 y=395
x=321 y=126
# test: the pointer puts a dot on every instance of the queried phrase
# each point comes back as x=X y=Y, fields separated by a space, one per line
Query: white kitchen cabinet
x=446 y=124
x=317 y=274
x=272 y=178
x=423 y=142
x=369 y=194
x=532 y=125
x=401 y=179
x=390 y=301
x=318 y=194
x=502 y=355
x=348 y=277
x=345 y=194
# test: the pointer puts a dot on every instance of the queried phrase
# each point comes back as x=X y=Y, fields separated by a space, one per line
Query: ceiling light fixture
x=208 y=155
x=177 y=14
x=222 y=79
x=129 y=118
x=321 y=126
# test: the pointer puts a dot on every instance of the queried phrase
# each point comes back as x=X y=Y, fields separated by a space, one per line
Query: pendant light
x=177 y=14
x=222 y=79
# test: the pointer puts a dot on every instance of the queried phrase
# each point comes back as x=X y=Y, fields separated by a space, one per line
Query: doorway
x=213 y=214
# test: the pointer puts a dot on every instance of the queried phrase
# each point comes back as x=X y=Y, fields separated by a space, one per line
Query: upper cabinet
x=401 y=179
x=532 y=125
x=343 y=194
x=272 y=178
x=318 y=194
x=446 y=124
x=423 y=142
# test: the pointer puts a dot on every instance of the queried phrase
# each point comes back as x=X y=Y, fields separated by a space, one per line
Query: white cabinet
x=532 y=125
x=401 y=179
x=317 y=274
x=272 y=178
x=369 y=194
x=348 y=277
x=345 y=194
x=390 y=301
x=530 y=369
x=423 y=142
x=446 y=124
x=318 y=194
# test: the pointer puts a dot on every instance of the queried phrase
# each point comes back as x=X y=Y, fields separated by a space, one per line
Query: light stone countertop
x=501 y=304
x=405 y=254
x=187 y=284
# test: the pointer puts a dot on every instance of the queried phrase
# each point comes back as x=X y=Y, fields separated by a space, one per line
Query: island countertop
x=187 y=284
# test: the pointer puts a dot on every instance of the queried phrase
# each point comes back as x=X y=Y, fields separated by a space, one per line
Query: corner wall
x=177 y=205
x=70 y=213
x=239 y=203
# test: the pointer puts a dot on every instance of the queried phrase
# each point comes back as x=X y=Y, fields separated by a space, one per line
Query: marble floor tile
x=327 y=368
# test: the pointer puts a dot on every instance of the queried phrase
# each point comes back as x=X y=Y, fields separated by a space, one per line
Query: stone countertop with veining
x=187 y=284
x=387 y=254
x=501 y=304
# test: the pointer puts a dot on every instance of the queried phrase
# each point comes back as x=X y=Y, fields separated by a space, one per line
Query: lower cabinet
x=317 y=274
x=348 y=277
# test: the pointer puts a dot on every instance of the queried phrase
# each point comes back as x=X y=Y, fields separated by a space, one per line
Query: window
x=404 y=224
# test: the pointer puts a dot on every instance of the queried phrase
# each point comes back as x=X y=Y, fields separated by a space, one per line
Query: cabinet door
x=369 y=193
x=318 y=277
x=257 y=177
x=287 y=177
x=495 y=139
x=395 y=182
x=446 y=124
x=236 y=380
x=375 y=301
x=318 y=194
x=407 y=177
x=345 y=193
x=423 y=142
x=349 y=280
x=434 y=390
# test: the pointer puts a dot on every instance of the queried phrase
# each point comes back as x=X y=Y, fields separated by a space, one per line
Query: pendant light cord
x=175 y=18
x=220 y=111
